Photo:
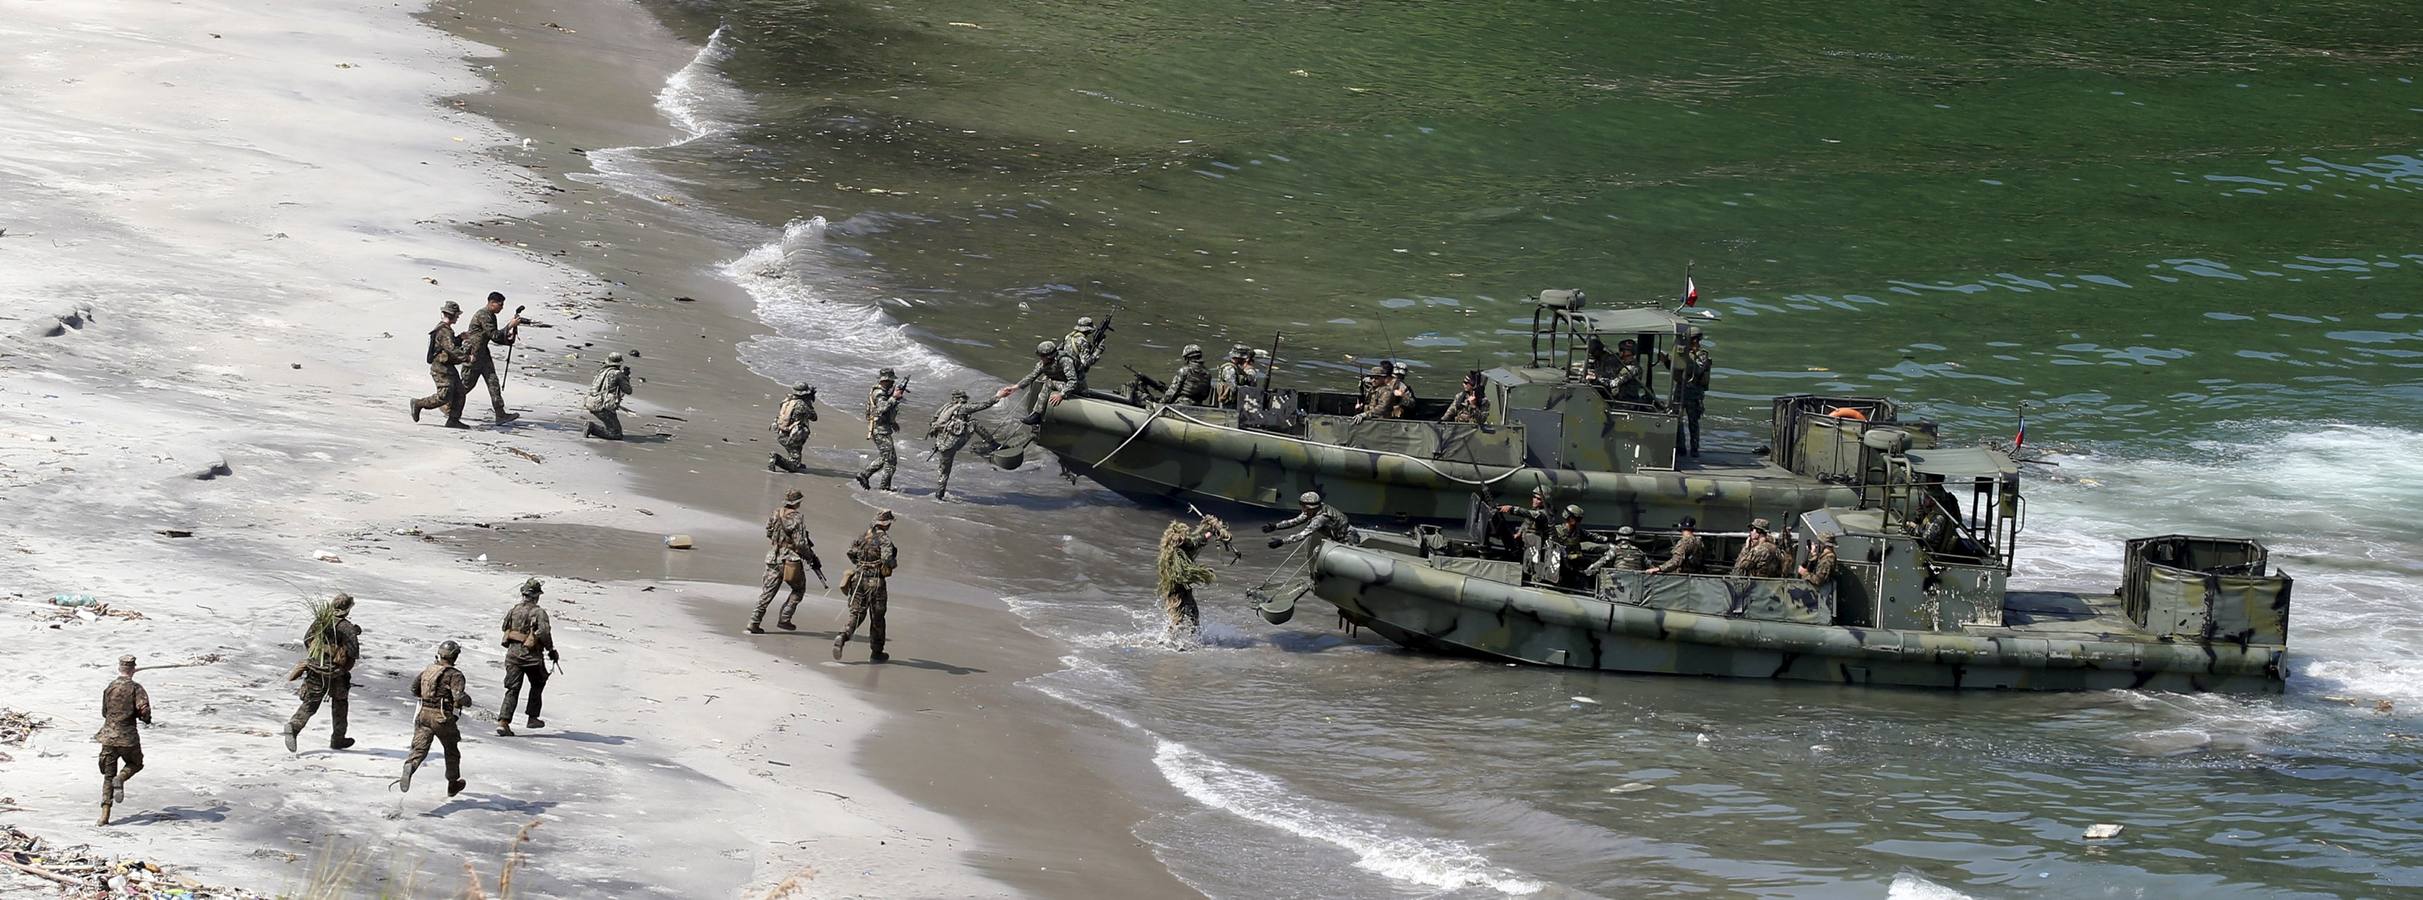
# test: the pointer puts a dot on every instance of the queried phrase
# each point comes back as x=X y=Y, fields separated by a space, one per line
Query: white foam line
x=1260 y=798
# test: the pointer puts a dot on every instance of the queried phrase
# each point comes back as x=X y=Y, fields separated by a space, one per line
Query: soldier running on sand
x=953 y=425
x=123 y=703
x=528 y=633
x=480 y=362
x=793 y=550
x=873 y=559
x=331 y=643
x=1180 y=573
x=791 y=428
x=443 y=696
x=445 y=353
x=883 y=421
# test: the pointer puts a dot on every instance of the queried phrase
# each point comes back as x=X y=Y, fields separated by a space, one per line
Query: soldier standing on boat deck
x=1192 y=383
x=1821 y=566
x=330 y=648
x=787 y=530
x=873 y=559
x=1471 y=405
x=123 y=703
x=528 y=633
x=445 y=353
x=1078 y=346
x=883 y=421
x=1691 y=390
x=1687 y=550
x=1238 y=372
x=1622 y=555
x=791 y=427
x=1318 y=519
x=1759 y=557
x=1536 y=522
x=482 y=363
x=443 y=695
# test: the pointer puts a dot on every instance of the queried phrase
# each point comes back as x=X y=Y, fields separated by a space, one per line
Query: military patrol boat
x=1920 y=597
x=1549 y=423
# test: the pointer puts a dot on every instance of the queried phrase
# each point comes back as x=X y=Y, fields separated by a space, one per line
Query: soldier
x=1819 y=570
x=528 y=633
x=123 y=703
x=1691 y=389
x=791 y=427
x=1238 y=372
x=1687 y=550
x=1536 y=522
x=1759 y=557
x=1318 y=520
x=787 y=530
x=1471 y=405
x=445 y=352
x=481 y=364
x=1078 y=346
x=1180 y=573
x=605 y=401
x=1051 y=378
x=1630 y=382
x=873 y=559
x=953 y=425
x=1192 y=383
x=1387 y=397
x=1622 y=555
x=330 y=645
x=443 y=696
x=883 y=421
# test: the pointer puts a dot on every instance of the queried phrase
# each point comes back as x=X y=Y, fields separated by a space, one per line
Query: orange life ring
x=1845 y=412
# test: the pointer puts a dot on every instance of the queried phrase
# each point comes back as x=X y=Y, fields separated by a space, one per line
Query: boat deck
x=2063 y=616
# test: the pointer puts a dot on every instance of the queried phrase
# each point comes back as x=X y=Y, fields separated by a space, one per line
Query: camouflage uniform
x=1078 y=347
x=1191 y=385
x=528 y=635
x=873 y=559
x=328 y=674
x=1628 y=384
x=443 y=695
x=123 y=703
x=445 y=353
x=1237 y=372
x=481 y=363
x=1471 y=407
x=1324 y=522
x=883 y=421
x=1180 y=573
x=953 y=425
x=605 y=401
x=1821 y=568
x=1686 y=556
x=1622 y=555
x=793 y=552
x=1760 y=559
x=791 y=426
x=1054 y=373
x=1691 y=390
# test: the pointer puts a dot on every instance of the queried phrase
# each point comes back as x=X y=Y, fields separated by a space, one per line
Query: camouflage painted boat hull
x=1427 y=608
x=1189 y=460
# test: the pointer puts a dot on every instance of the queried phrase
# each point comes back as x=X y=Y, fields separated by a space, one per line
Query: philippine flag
x=1690 y=291
x=2020 y=438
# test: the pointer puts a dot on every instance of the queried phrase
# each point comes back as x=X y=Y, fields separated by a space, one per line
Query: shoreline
x=237 y=285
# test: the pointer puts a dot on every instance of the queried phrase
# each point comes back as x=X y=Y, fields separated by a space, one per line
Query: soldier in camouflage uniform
x=1536 y=521
x=1388 y=397
x=1052 y=377
x=123 y=703
x=1821 y=566
x=1192 y=383
x=791 y=427
x=953 y=425
x=443 y=696
x=1318 y=519
x=1687 y=550
x=605 y=400
x=445 y=353
x=883 y=421
x=1078 y=346
x=329 y=648
x=1691 y=390
x=1180 y=573
x=1238 y=372
x=1630 y=382
x=792 y=549
x=528 y=633
x=1621 y=555
x=481 y=363
x=1759 y=557
x=1471 y=405
x=873 y=559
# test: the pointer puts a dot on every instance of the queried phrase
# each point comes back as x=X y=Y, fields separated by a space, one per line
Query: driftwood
x=44 y=873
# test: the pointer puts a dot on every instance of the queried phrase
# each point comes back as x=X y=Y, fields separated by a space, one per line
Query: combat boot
x=534 y=722
x=786 y=625
x=503 y=417
x=415 y=406
x=456 y=786
x=504 y=728
x=863 y=483
x=754 y=628
x=876 y=654
x=117 y=789
x=290 y=742
x=104 y=813
x=837 y=644
x=404 y=784
x=340 y=743
x=457 y=423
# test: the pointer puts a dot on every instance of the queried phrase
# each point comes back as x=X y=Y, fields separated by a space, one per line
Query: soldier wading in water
x=1180 y=573
x=873 y=559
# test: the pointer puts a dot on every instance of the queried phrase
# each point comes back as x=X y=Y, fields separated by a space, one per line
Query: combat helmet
x=615 y=357
x=1240 y=351
x=792 y=497
x=1309 y=498
x=1047 y=348
x=341 y=604
x=531 y=588
x=447 y=651
x=885 y=374
x=883 y=519
x=1624 y=532
x=959 y=393
x=1192 y=351
x=1573 y=511
x=1085 y=323
x=803 y=389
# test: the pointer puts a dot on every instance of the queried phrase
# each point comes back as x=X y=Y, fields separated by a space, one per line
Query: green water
x=2147 y=216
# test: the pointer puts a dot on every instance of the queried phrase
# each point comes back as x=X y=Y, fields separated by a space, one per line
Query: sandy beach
x=227 y=229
